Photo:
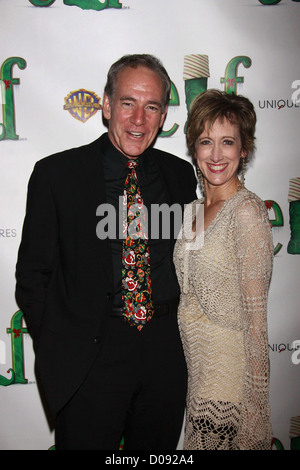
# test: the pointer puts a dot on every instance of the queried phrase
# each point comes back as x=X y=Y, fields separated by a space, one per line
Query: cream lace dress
x=223 y=325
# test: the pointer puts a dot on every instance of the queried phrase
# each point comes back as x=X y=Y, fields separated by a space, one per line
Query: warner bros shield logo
x=82 y=104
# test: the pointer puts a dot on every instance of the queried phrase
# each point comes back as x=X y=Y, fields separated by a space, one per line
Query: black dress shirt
x=165 y=287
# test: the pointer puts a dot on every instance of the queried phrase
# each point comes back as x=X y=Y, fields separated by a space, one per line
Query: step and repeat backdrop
x=54 y=57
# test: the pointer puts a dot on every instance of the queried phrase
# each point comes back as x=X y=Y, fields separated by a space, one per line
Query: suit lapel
x=169 y=180
x=96 y=196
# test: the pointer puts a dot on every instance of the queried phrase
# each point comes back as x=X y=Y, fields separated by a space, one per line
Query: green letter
x=269 y=2
x=174 y=101
x=93 y=4
x=231 y=78
x=277 y=222
x=42 y=3
x=16 y=330
x=8 y=105
x=294 y=211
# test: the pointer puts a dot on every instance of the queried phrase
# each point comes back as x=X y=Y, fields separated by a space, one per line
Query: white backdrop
x=49 y=51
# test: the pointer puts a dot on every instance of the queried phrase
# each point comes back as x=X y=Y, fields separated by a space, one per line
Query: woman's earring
x=201 y=180
x=242 y=173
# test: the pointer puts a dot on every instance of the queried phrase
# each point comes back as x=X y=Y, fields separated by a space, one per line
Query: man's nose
x=138 y=116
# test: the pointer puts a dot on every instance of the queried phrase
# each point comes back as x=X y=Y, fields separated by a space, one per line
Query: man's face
x=135 y=113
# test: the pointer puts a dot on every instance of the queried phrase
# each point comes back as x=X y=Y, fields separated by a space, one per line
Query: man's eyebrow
x=130 y=98
x=127 y=98
x=157 y=103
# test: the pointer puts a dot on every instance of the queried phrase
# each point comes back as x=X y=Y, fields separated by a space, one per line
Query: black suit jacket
x=64 y=272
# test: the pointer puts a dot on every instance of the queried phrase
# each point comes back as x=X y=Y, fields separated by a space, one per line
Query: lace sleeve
x=255 y=259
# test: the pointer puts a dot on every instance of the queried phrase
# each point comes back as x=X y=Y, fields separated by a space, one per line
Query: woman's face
x=218 y=153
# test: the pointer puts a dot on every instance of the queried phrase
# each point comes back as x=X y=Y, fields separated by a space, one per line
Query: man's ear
x=106 y=108
x=163 y=117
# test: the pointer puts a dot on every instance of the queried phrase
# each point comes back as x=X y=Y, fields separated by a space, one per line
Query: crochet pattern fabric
x=223 y=325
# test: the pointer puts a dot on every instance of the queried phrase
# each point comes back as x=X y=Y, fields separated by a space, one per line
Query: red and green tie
x=136 y=280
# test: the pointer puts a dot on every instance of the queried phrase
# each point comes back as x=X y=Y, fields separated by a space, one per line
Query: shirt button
x=109 y=296
x=97 y=339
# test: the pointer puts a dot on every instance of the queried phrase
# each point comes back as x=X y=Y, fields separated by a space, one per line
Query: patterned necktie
x=136 y=281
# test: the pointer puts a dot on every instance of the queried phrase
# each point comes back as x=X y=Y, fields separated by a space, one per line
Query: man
x=101 y=377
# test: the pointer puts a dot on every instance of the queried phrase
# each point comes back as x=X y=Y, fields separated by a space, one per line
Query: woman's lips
x=217 y=168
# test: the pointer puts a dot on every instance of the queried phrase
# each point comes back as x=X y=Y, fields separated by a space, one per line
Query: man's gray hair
x=134 y=61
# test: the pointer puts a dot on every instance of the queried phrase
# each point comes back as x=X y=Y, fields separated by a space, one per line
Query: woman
x=224 y=283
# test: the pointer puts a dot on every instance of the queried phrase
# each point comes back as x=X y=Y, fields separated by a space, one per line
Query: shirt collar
x=115 y=162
